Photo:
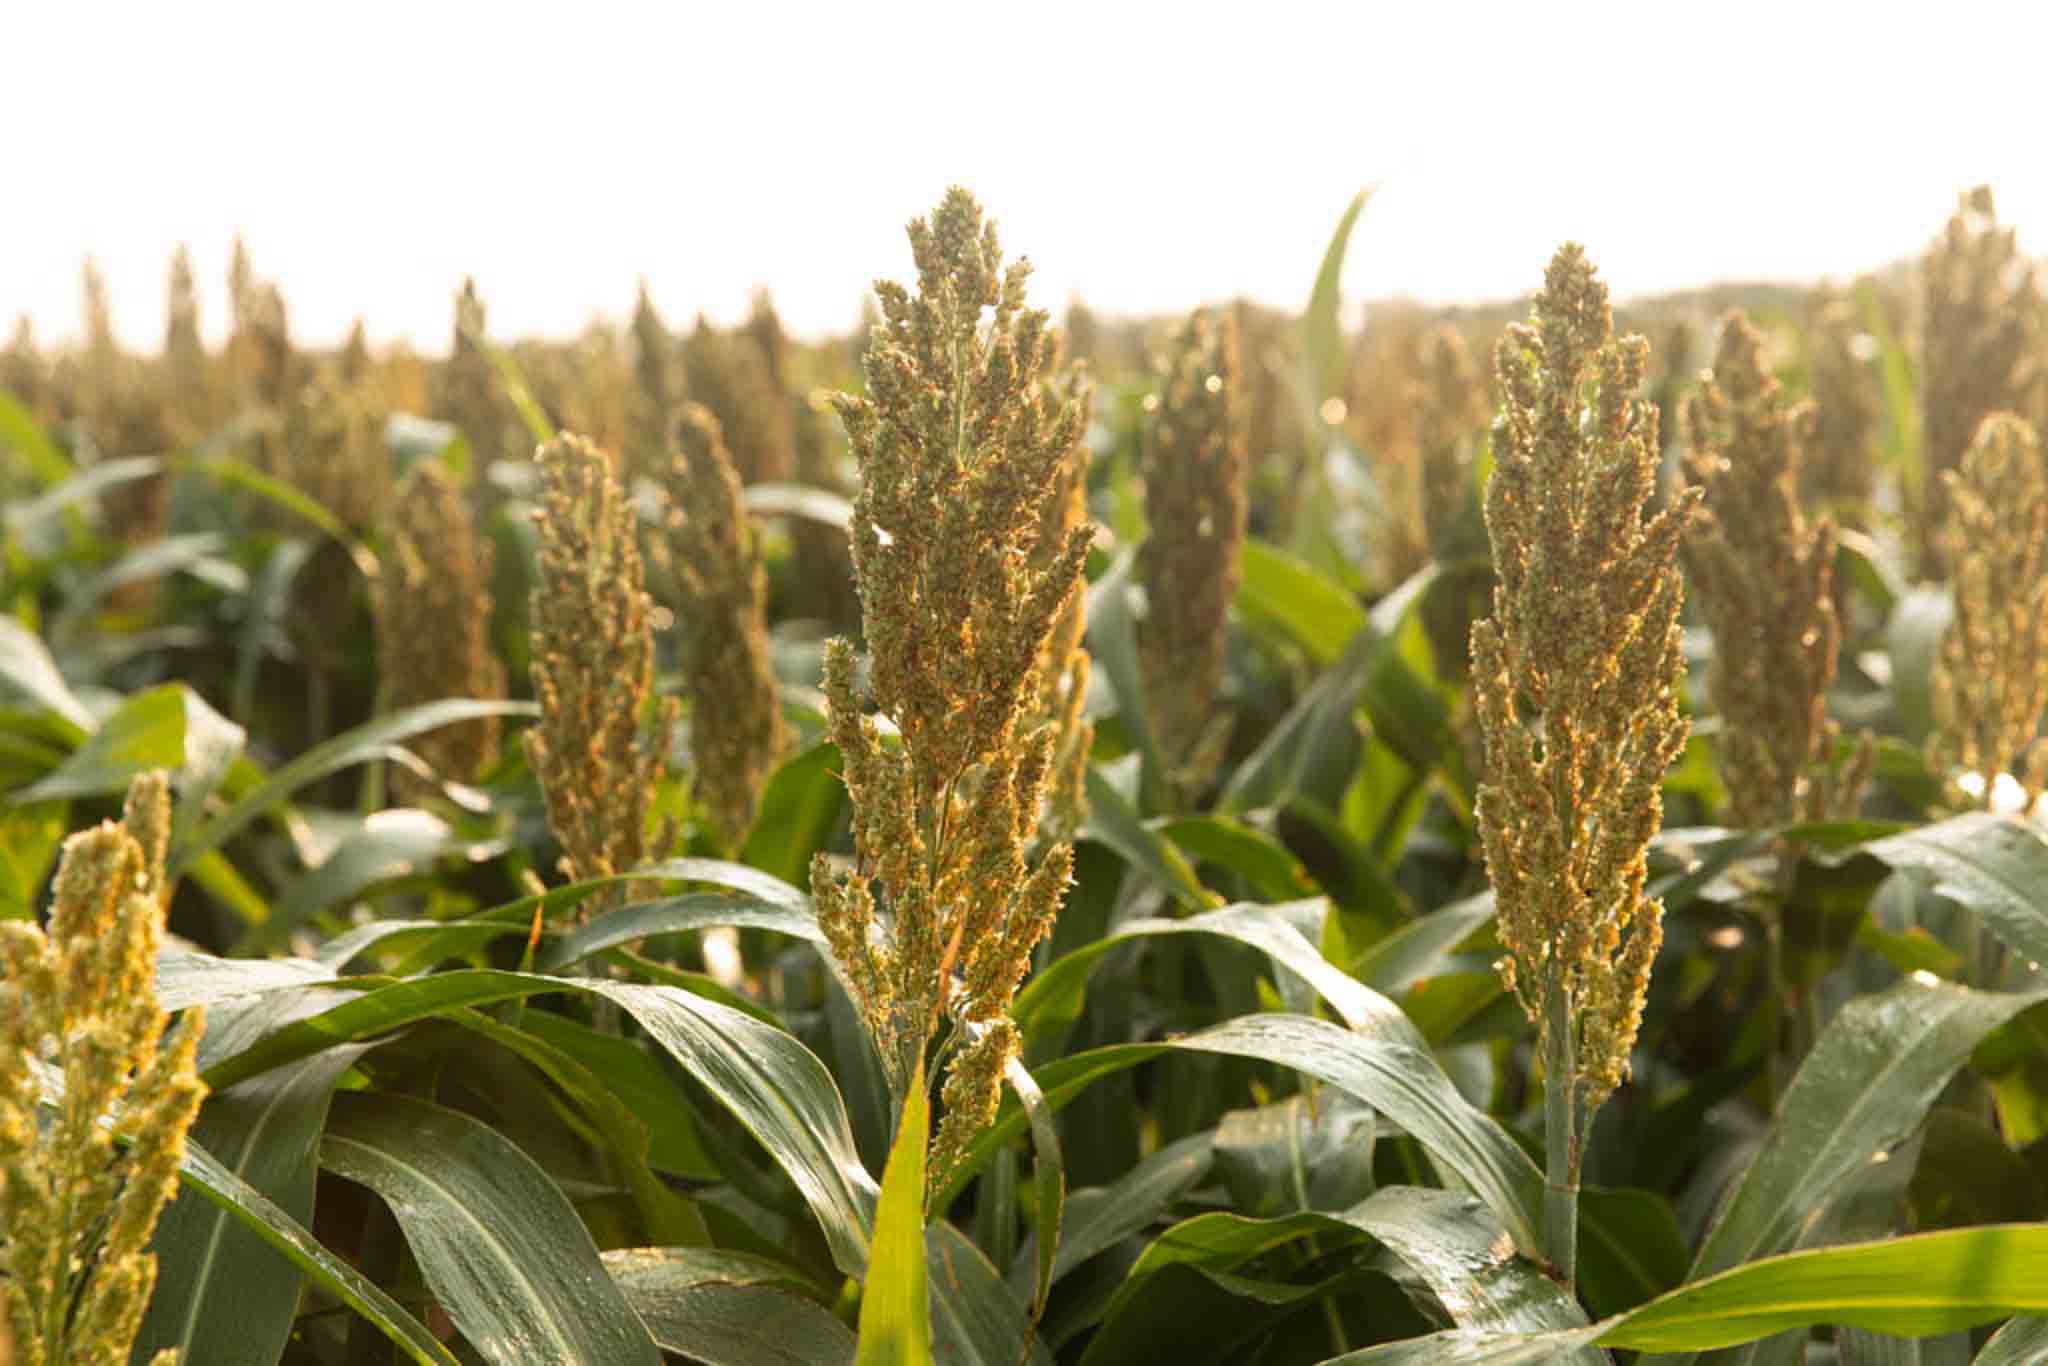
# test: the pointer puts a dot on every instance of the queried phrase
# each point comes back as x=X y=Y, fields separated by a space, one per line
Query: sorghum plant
x=727 y=373
x=1840 y=470
x=735 y=711
x=1991 y=679
x=657 y=388
x=1576 y=676
x=76 y=1211
x=432 y=605
x=1454 y=402
x=1764 y=576
x=1979 y=329
x=961 y=442
x=597 y=758
x=467 y=394
x=1195 y=470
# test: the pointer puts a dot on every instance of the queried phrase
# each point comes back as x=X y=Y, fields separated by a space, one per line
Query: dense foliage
x=1091 y=954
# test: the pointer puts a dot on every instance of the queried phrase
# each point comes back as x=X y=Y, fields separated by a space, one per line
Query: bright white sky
x=1145 y=156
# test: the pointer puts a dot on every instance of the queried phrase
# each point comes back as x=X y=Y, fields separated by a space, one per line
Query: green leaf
x=513 y=382
x=197 y=979
x=1423 y=948
x=895 y=1304
x=1457 y=1246
x=1298 y=1154
x=26 y=668
x=147 y=731
x=200 y=553
x=239 y=474
x=1101 y=1216
x=640 y=1082
x=1052 y=1001
x=1281 y=591
x=1913 y=641
x=800 y=500
x=1471 y=1347
x=29 y=838
x=1451 y=1241
x=255 y=1211
x=1271 y=869
x=1857 y=564
x=1996 y=866
x=778 y=1090
x=1630 y=1248
x=384 y=845
x=1322 y=326
x=1113 y=644
x=975 y=1321
x=2022 y=1342
x=40 y=520
x=669 y=1217
x=677 y=915
x=1396 y=1078
x=223 y=1293
x=727 y=1308
x=22 y=434
x=1406 y=712
x=371 y=740
x=497 y=1242
x=1113 y=821
x=1048 y=1179
x=800 y=808
x=1900 y=389
x=1911 y=1286
x=1865 y=1086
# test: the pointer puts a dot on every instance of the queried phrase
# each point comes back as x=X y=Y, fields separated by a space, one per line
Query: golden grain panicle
x=1763 y=575
x=79 y=1003
x=1991 y=677
x=1577 y=675
x=597 y=753
x=960 y=443
x=432 y=607
x=736 y=731
x=1195 y=470
x=1980 y=328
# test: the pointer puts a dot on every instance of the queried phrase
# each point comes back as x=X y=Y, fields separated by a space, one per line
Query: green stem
x=1560 y=1139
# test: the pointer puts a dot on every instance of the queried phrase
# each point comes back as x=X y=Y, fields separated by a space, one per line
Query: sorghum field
x=1236 y=839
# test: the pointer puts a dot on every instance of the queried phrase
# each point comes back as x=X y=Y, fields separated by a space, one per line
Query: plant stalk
x=1561 y=1154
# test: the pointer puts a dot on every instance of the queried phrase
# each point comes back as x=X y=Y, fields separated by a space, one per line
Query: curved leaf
x=895 y=1304
x=1397 y=1079
x=800 y=500
x=371 y=740
x=693 y=911
x=1113 y=821
x=384 y=845
x=1286 y=592
x=147 y=731
x=1455 y=1244
x=1913 y=1286
x=222 y=1293
x=27 y=668
x=975 y=1320
x=775 y=1087
x=727 y=1308
x=1102 y=1216
x=498 y=1243
x=2019 y=1343
x=1913 y=641
x=1865 y=1086
x=1053 y=999
x=1996 y=866
x=1048 y=1179
x=259 y=1215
